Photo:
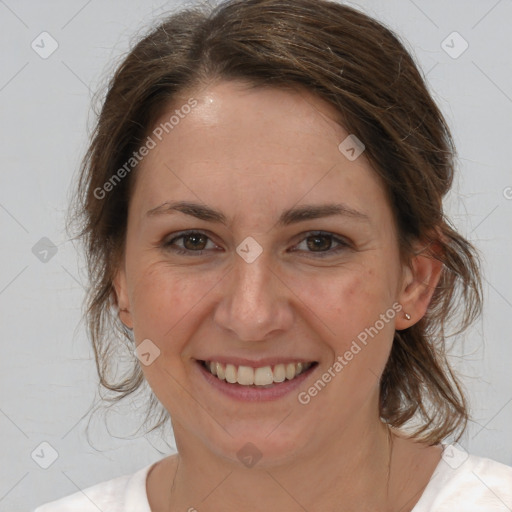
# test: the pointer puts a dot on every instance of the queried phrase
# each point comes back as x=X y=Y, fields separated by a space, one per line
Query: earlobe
x=121 y=297
x=420 y=281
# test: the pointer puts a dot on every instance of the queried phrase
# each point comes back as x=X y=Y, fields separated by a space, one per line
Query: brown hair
x=362 y=69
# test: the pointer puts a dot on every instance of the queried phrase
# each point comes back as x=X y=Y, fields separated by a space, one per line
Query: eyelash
x=321 y=254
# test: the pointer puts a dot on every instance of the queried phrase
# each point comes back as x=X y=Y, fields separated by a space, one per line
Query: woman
x=262 y=208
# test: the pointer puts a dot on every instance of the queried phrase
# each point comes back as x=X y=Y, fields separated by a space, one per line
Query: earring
x=407 y=316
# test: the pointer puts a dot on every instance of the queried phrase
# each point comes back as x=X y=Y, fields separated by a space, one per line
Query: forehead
x=240 y=143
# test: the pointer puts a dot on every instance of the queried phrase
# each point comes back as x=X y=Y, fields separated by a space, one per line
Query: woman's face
x=255 y=285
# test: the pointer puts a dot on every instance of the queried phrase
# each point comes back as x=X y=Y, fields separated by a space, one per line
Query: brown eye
x=192 y=243
x=321 y=244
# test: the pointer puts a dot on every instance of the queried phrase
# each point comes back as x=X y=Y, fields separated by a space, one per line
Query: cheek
x=351 y=295
x=162 y=298
x=351 y=304
x=164 y=301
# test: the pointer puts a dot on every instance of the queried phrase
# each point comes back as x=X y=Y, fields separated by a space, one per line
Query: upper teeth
x=262 y=376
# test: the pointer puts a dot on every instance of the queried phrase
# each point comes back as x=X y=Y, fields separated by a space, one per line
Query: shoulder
x=122 y=494
x=467 y=482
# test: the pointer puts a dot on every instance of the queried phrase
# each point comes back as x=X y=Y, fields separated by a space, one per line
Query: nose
x=255 y=303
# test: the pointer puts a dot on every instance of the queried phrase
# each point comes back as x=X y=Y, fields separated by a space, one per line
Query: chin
x=265 y=445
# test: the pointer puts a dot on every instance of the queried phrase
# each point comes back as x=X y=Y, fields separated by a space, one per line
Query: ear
x=419 y=282
x=122 y=299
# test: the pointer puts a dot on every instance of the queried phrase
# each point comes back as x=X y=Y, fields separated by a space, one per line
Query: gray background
x=48 y=379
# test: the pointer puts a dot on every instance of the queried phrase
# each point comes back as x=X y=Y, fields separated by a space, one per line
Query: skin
x=252 y=154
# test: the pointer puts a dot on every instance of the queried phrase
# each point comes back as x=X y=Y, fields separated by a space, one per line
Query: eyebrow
x=288 y=217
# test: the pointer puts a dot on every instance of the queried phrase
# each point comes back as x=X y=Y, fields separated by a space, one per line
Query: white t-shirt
x=460 y=483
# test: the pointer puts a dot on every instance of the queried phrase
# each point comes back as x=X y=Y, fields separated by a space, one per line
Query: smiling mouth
x=262 y=377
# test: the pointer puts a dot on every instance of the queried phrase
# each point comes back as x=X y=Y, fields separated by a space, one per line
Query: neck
x=349 y=473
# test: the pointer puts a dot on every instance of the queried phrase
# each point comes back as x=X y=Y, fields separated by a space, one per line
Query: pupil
x=317 y=238
x=194 y=244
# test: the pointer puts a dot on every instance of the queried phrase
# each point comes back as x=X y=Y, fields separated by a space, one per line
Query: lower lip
x=251 y=394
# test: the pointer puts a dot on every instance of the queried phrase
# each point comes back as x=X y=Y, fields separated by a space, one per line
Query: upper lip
x=256 y=363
